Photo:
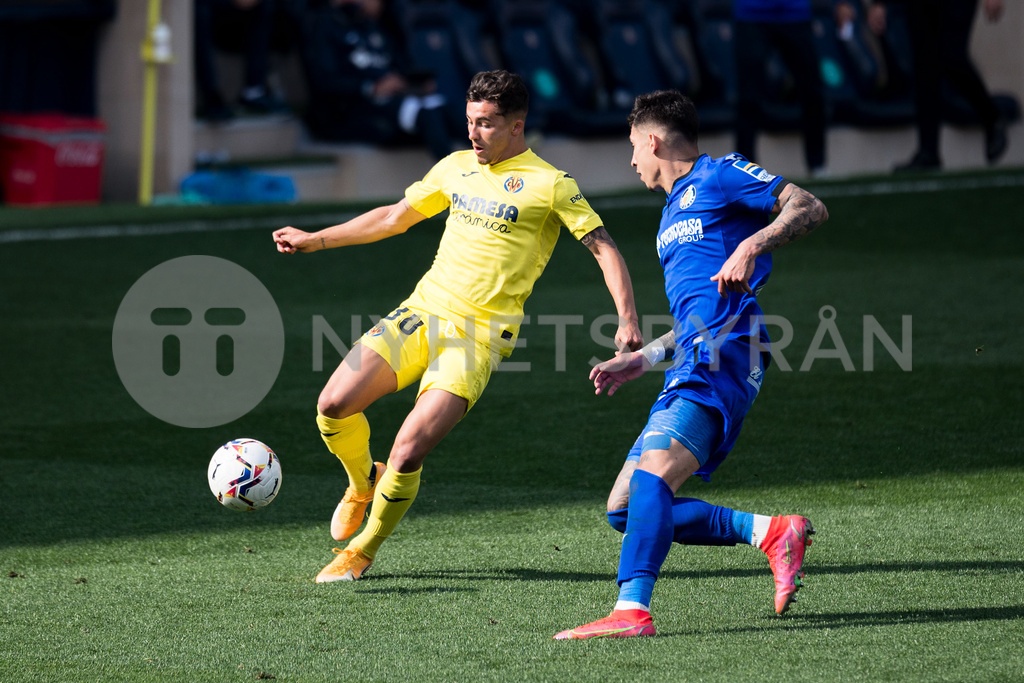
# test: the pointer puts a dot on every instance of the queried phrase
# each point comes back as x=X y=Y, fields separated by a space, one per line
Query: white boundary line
x=882 y=187
x=144 y=229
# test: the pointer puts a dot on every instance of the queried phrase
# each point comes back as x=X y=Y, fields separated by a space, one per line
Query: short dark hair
x=669 y=108
x=504 y=89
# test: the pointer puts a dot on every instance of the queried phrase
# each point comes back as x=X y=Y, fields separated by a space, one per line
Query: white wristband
x=654 y=352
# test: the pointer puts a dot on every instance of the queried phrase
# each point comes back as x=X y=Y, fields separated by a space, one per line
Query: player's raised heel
x=787 y=539
x=349 y=565
x=351 y=511
x=619 y=624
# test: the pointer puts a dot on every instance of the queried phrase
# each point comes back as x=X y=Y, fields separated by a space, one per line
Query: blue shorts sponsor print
x=704 y=403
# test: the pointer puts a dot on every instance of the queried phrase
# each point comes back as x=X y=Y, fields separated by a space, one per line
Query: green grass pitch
x=116 y=563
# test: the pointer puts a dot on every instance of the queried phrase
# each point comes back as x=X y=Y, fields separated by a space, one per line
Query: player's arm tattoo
x=598 y=238
x=668 y=340
x=800 y=212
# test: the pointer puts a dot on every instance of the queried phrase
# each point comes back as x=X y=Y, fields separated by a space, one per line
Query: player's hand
x=291 y=240
x=628 y=336
x=611 y=374
x=736 y=272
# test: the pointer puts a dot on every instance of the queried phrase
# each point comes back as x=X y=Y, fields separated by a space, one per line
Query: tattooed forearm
x=595 y=238
x=800 y=213
x=668 y=339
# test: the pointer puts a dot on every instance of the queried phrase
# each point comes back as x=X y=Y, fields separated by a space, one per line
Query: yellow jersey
x=501 y=230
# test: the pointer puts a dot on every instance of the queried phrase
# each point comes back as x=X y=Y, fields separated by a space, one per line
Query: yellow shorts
x=420 y=346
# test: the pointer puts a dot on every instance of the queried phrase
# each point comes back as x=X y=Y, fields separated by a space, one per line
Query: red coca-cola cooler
x=50 y=159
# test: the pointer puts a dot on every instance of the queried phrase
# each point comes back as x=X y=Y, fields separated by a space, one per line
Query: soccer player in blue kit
x=714 y=242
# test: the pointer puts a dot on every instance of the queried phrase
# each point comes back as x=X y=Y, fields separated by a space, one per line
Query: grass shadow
x=836 y=620
x=525 y=574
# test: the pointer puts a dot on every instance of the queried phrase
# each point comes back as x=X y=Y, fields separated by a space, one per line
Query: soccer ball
x=244 y=474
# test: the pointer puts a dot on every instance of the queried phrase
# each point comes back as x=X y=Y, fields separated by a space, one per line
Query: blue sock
x=636 y=592
x=743 y=526
x=648 y=530
x=694 y=522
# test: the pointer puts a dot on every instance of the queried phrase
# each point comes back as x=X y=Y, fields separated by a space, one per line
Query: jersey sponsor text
x=486 y=207
x=686 y=230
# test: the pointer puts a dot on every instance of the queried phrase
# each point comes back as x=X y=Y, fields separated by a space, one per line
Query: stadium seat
x=860 y=88
x=540 y=40
x=448 y=39
x=709 y=23
x=637 y=43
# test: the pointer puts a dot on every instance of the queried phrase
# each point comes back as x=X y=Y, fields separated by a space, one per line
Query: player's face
x=643 y=159
x=495 y=137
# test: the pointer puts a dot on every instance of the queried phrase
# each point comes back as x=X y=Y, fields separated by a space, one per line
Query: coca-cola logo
x=80 y=154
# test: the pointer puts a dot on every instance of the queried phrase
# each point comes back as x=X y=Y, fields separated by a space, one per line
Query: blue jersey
x=709 y=211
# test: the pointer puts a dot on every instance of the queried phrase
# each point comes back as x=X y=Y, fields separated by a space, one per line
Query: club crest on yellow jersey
x=514 y=184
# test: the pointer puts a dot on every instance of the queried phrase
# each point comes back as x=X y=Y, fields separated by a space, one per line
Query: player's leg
x=751 y=51
x=783 y=538
x=385 y=359
x=677 y=441
x=963 y=75
x=456 y=373
x=924 y=22
x=694 y=522
x=797 y=47
x=361 y=378
x=435 y=413
x=663 y=467
x=618 y=497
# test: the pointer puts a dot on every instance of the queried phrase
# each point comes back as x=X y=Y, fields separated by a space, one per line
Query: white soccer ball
x=244 y=474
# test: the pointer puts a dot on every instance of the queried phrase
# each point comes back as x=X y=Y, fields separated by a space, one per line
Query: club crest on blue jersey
x=689 y=195
x=752 y=169
x=514 y=184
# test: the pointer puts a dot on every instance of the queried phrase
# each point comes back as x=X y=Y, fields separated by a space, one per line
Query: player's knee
x=331 y=404
x=327 y=406
x=406 y=456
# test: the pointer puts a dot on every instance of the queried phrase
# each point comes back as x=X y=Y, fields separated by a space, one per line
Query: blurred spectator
x=359 y=85
x=783 y=25
x=253 y=21
x=940 y=32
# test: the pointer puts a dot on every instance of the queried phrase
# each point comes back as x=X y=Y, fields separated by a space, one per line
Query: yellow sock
x=349 y=439
x=395 y=493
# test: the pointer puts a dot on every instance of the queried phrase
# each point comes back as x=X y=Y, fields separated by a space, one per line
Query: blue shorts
x=703 y=404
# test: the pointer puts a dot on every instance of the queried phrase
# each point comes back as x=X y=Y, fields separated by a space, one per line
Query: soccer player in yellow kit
x=506 y=209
